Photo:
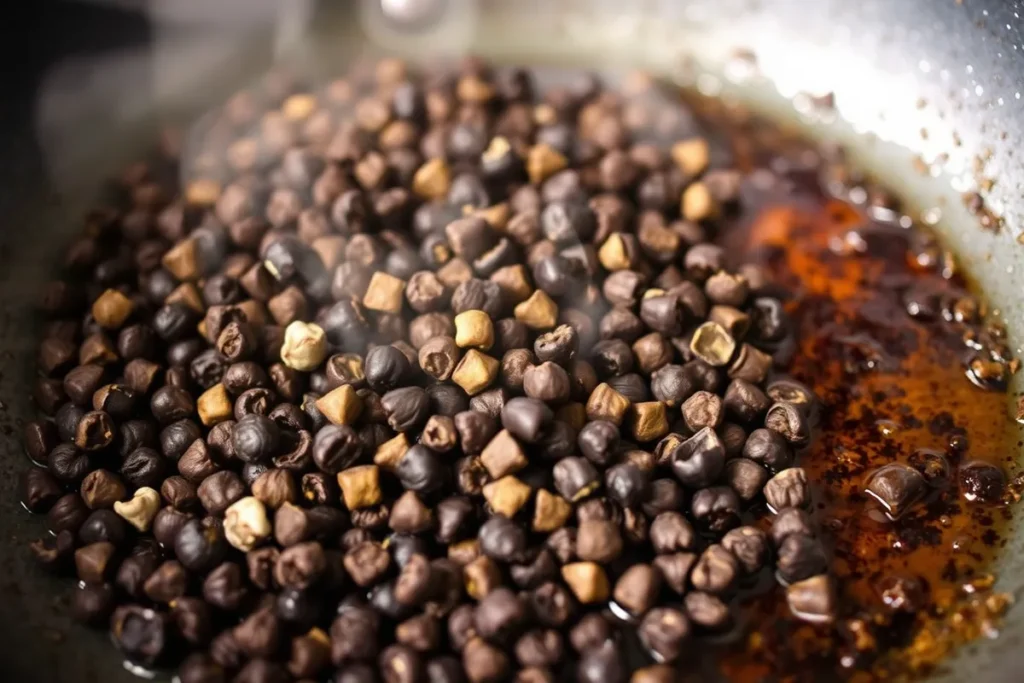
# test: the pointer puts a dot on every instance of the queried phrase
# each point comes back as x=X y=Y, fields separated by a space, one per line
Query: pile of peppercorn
x=422 y=378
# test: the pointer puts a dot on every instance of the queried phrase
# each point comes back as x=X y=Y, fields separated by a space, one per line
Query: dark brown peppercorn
x=526 y=418
x=259 y=634
x=40 y=491
x=699 y=460
x=716 y=508
x=101 y=489
x=167 y=583
x=707 y=611
x=745 y=477
x=170 y=404
x=140 y=633
x=789 y=488
x=438 y=357
x=92 y=604
x=575 y=478
x=55 y=553
x=799 y=557
x=406 y=408
x=335 y=448
x=82 y=382
x=225 y=587
x=218 y=491
x=200 y=544
x=547 y=382
x=767 y=447
x=275 y=487
x=103 y=525
x=95 y=431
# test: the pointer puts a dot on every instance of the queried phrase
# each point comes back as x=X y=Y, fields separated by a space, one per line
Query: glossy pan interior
x=954 y=67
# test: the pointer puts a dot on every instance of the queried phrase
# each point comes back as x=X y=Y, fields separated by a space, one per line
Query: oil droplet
x=887 y=427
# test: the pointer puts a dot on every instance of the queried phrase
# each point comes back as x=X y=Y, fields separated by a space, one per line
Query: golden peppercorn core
x=474 y=329
x=214 y=405
x=341 y=406
x=607 y=404
x=360 y=486
x=391 y=451
x=384 y=293
x=111 y=309
x=432 y=179
x=551 y=512
x=538 y=312
x=507 y=496
x=543 y=161
x=587 y=581
x=475 y=372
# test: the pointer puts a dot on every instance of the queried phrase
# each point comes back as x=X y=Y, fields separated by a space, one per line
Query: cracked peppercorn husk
x=420 y=372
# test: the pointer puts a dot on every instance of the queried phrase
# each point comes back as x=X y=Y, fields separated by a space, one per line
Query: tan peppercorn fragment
x=507 y=495
x=587 y=581
x=182 y=260
x=698 y=203
x=503 y=455
x=538 y=312
x=497 y=216
x=188 y=295
x=391 y=451
x=298 y=107
x=464 y=552
x=97 y=349
x=304 y=347
x=614 y=253
x=573 y=414
x=551 y=511
x=141 y=509
x=202 y=192
x=111 y=309
x=655 y=673
x=691 y=156
x=341 y=406
x=607 y=404
x=474 y=329
x=650 y=421
x=543 y=161
x=432 y=180
x=246 y=523
x=513 y=282
x=481 y=576
x=475 y=372
x=360 y=486
x=214 y=405
x=384 y=293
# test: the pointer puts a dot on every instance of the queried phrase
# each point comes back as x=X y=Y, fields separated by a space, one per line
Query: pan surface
x=895 y=67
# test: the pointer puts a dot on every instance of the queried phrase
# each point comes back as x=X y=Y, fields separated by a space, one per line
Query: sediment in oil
x=887 y=331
